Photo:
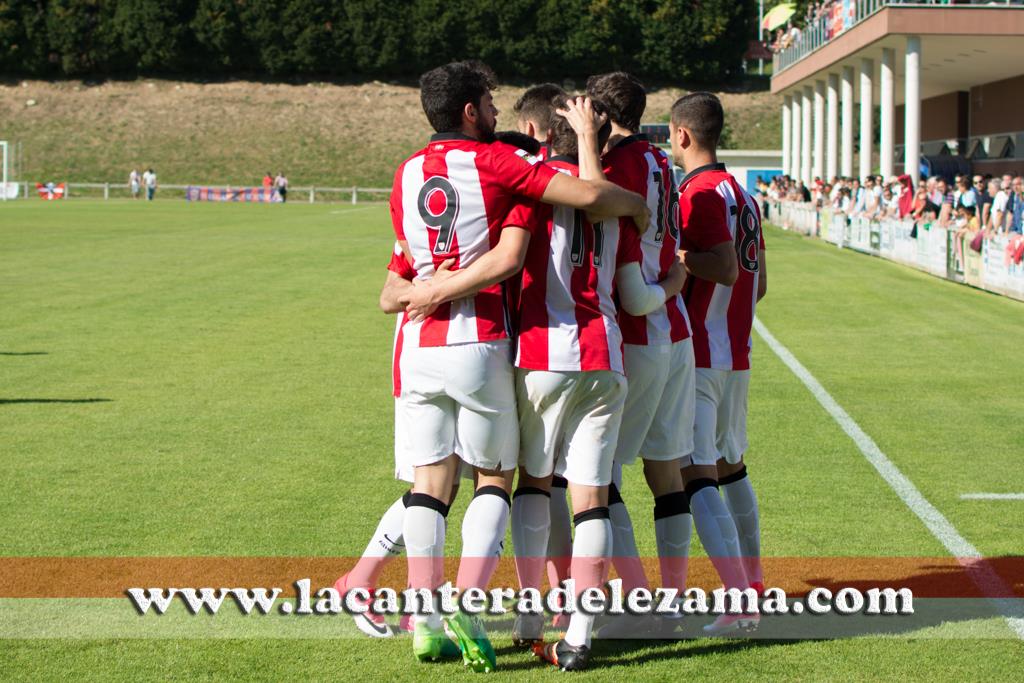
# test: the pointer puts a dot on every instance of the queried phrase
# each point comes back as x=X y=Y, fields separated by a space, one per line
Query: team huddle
x=566 y=308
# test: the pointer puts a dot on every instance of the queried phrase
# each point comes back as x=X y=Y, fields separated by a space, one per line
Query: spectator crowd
x=974 y=208
x=830 y=18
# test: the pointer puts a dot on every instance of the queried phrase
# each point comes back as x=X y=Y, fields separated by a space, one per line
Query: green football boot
x=431 y=645
x=469 y=633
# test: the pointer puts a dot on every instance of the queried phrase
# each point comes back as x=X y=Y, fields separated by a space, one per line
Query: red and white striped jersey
x=449 y=201
x=567 y=315
x=399 y=265
x=714 y=208
x=636 y=164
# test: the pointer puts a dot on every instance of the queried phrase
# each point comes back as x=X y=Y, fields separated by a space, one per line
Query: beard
x=485 y=131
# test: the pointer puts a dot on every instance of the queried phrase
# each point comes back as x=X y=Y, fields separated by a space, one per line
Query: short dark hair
x=535 y=104
x=446 y=90
x=702 y=113
x=520 y=140
x=563 y=137
x=623 y=94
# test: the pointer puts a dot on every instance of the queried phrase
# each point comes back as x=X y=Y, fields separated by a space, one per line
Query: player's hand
x=421 y=300
x=676 y=277
x=579 y=113
x=642 y=217
x=443 y=271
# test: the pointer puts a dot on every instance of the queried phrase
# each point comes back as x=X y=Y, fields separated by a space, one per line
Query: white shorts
x=657 y=422
x=457 y=399
x=569 y=423
x=720 y=430
x=403 y=470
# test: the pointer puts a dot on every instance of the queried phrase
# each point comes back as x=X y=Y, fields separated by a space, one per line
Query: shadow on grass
x=609 y=654
x=11 y=401
x=24 y=353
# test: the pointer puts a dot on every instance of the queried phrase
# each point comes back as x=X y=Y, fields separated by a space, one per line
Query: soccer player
x=570 y=376
x=535 y=111
x=723 y=251
x=387 y=543
x=449 y=201
x=657 y=422
x=535 y=116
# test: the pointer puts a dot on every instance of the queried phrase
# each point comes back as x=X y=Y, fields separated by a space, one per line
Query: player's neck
x=618 y=134
x=470 y=131
x=698 y=158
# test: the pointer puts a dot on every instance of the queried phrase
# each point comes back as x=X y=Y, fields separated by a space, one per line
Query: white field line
x=980 y=571
x=358 y=208
x=992 y=496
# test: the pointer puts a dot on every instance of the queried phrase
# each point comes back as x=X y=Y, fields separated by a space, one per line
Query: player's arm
x=395 y=287
x=497 y=265
x=596 y=197
x=587 y=124
x=639 y=298
x=717 y=264
x=399 y=280
x=762 y=277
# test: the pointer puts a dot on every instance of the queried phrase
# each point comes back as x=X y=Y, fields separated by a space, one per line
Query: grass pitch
x=213 y=380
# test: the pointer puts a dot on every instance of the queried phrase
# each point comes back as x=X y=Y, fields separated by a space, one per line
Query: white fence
x=925 y=246
x=309 y=194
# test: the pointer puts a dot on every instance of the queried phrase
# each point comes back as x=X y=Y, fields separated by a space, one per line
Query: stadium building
x=941 y=84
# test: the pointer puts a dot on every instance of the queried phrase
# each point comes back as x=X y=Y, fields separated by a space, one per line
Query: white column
x=912 y=109
x=805 y=136
x=797 y=135
x=832 y=127
x=819 y=129
x=867 y=67
x=787 y=131
x=846 y=97
x=887 y=99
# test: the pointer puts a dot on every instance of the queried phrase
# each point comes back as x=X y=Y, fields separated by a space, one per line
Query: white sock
x=673 y=526
x=483 y=537
x=625 y=556
x=560 y=537
x=424 y=531
x=531 y=523
x=742 y=503
x=386 y=544
x=718 y=534
x=590 y=549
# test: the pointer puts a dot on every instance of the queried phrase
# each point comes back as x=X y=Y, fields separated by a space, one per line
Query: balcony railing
x=842 y=15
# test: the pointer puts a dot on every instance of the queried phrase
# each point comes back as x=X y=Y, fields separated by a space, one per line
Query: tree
x=153 y=35
x=23 y=36
x=79 y=36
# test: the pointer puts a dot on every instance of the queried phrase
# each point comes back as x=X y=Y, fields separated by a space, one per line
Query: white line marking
x=980 y=571
x=992 y=496
x=360 y=208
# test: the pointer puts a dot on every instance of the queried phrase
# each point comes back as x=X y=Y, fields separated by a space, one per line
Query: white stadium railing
x=308 y=193
x=924 y=246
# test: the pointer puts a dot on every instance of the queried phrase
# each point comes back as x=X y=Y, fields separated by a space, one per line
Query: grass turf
x=213 y=380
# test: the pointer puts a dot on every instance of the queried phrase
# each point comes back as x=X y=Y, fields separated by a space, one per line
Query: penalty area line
x=980 y=571
x=992 y=496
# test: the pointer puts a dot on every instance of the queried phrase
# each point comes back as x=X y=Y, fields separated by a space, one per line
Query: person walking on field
x=281 y=183
x=134 y=182
x=149 y=180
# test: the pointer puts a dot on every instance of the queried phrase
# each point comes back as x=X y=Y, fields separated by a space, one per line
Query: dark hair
x=702 y=113
x=563 y=137
x=520 y=140
x=624 y=96
x=535 y=105
x=446 y=90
